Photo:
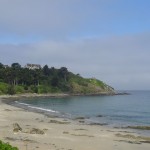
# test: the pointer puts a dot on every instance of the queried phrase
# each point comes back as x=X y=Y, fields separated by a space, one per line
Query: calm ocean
x=118 y=110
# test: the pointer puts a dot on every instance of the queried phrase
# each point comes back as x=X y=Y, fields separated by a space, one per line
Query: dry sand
x=60 y=134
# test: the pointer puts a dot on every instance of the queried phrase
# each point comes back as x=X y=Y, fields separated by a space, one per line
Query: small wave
x=39 y=108
x=43 y=109
x=22 y=103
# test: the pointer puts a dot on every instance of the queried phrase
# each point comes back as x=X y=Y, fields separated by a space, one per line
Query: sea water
x=117 y=110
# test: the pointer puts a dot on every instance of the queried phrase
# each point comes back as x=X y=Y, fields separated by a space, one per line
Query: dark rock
x=17 y=128
x=36 y=131
x=99 y=116
x=58 y=122
x=100 y=124
x=79 y=118
x=139 y=127
x=81 y=121
x=145 y=142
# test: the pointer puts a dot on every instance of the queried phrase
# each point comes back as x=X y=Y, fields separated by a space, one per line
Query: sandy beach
x=34 y=131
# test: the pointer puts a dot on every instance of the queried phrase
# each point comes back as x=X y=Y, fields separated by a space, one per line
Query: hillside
x=35 y=79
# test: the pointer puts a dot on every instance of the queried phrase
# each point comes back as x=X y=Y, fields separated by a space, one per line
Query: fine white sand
x=60 y=134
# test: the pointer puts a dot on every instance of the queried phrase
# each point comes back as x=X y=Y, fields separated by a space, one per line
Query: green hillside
x=17 y=80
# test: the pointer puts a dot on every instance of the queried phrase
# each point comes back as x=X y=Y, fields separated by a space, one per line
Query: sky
x=105 y=39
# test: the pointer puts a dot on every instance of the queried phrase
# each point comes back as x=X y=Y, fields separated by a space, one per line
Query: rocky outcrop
x=36 y=131
x=16 y=127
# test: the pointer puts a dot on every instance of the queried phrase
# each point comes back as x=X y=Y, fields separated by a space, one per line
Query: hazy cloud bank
x=120 y=61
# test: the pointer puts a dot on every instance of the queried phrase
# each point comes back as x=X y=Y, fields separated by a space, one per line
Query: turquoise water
x=118 y=110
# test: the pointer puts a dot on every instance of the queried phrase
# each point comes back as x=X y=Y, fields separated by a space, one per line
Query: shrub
x=44 y=89
x=3 y=88
x=19 y=89
x=34 y=89
x=11 y=90
x=7 y=146
x=55 y=90
x=26 y=87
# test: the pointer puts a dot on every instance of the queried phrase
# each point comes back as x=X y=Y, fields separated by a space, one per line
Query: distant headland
x=32 y=78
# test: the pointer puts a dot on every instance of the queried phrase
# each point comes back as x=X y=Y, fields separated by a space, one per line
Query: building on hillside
x=5 y=66
x=33 y=66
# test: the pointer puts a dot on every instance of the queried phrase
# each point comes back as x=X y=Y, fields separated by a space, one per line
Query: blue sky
x=106 y=39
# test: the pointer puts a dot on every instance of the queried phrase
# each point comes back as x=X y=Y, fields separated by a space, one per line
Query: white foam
x=22 y=103
x=43 y=109
x=39 y=108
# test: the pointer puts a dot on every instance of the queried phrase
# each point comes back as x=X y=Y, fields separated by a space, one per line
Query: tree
x=55 y=81
x=1 y=66
x=11 y=90
x=2 y=72
x=63 y=73
x=46 y=70
x=16 y=66
x=8 y=75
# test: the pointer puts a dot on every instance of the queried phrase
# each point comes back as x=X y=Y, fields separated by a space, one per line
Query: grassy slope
x=81 y=85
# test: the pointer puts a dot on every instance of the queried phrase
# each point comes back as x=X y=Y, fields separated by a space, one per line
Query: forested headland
x=16 y=79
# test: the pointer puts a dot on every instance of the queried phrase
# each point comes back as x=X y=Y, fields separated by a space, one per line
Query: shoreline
x=30 y=95
x=46 y=132
x=58 y=95
x=13 y=100
x=80 y=119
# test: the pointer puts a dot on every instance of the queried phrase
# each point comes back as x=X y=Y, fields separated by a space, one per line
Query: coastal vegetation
x=16 y=79
x=7 y=146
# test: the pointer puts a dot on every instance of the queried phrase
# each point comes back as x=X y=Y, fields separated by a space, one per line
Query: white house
x=33 y=66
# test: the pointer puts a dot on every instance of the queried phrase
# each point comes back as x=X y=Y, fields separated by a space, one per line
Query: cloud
x=61 y=18
x=41 y=16
x=121 y=61
x=106 y=39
